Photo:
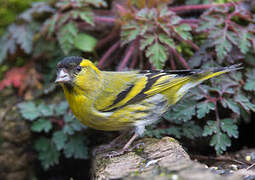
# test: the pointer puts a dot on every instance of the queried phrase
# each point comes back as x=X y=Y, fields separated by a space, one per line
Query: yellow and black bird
x=117 y=101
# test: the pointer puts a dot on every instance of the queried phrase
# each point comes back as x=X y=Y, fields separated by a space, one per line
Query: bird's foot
x=123 y=151
x=102 y=148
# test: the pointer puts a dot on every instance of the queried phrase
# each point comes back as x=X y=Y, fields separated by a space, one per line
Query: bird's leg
x=124 y=149
x=113 y=143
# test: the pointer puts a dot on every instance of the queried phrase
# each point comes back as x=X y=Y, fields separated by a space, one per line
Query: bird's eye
x=78 y=68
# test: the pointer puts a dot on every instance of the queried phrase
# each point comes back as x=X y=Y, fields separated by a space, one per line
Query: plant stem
x=108 y=53
x=197 y=7
x=127 y=56
x=104 y=19
x=181 y=59
x=108 y=38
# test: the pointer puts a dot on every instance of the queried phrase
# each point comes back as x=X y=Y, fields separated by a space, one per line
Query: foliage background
x=122 y=35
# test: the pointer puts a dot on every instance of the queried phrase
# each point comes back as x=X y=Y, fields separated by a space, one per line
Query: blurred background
x=40 y=138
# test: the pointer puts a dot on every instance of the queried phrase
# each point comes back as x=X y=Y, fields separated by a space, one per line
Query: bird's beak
x=63 y=76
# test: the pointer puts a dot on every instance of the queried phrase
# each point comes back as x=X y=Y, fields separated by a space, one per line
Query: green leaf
x=182 y=30
x=223 y=47
x=232 y=105
x=244 y=43
x=61 y=108
x=182 y=111
x=88 y=17
x=146 y=41
x=41 y=125
x=48 y=153
x=85 y=42
x=250 y=83
x=204 y=108
x=157 y=54
x=220 y=141
x=191 y=130
x=29 y=110
x=228 y=126
x=166 y=40
x=245 y=102
x=59 y=138
x=76 y=147
x=45 y=110
x=210 y=128
x=129 y=32
x=66 y=36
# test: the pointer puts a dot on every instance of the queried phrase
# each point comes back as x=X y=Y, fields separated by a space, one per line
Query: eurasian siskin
x=116 y=101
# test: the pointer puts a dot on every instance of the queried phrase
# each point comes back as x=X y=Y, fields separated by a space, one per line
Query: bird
x=126 y=101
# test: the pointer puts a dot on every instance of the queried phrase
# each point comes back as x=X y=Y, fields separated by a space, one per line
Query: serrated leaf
x=41 y=125
x=223 y=47
x=232 y=105
x=220 y=141
x=85 y=42
x=48 y=153
x=191 y=130
x=59 y=138
x=61 y=108
x=250 y=83
x=129 y=33
x=67 y=129
x=77 y=126
x=204 y=108
x=76 y=147
x=166 y=40
x=245 y=102
x=228 y=126
x=29 y=110
x=146 y=41
x=183 y=31
x=157 y=54
x=45 y=110
x=182 y=111
x=66 y=36
x=244 y=44
x=210 y=128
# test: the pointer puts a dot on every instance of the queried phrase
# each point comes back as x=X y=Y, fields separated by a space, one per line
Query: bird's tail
x=199 y=76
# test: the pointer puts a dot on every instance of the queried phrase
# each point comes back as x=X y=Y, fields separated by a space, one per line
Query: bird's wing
x=122 y=91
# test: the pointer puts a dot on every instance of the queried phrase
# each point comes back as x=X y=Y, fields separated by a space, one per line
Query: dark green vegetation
x=132 y=34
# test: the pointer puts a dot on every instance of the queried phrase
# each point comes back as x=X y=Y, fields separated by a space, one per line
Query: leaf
x=66 y=36
x=183 y=31
x=163 y=38
x=48 y=153
x=85 y=42
x=232 y=105
x=41 y=125
x=204 y=108
x=45 y=110
x=15 y=76
x=59 y=138
x=223 y=47
x=191 y=130
x=228 y=126
x=250 y=83
x=146 y=41
x=86 y=15
x=182 y=111
x=157 y=54
x=61 y=108
x=24 y=36
x=29 y=110
x=210 y=128
x=245 y=102
x=244 y=43
x=129 y=32
x=220 y=141
x=76 y=147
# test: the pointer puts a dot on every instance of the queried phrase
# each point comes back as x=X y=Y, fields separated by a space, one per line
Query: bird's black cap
x=69 y=61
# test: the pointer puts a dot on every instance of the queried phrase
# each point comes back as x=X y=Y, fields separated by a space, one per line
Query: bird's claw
x=114 y=153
